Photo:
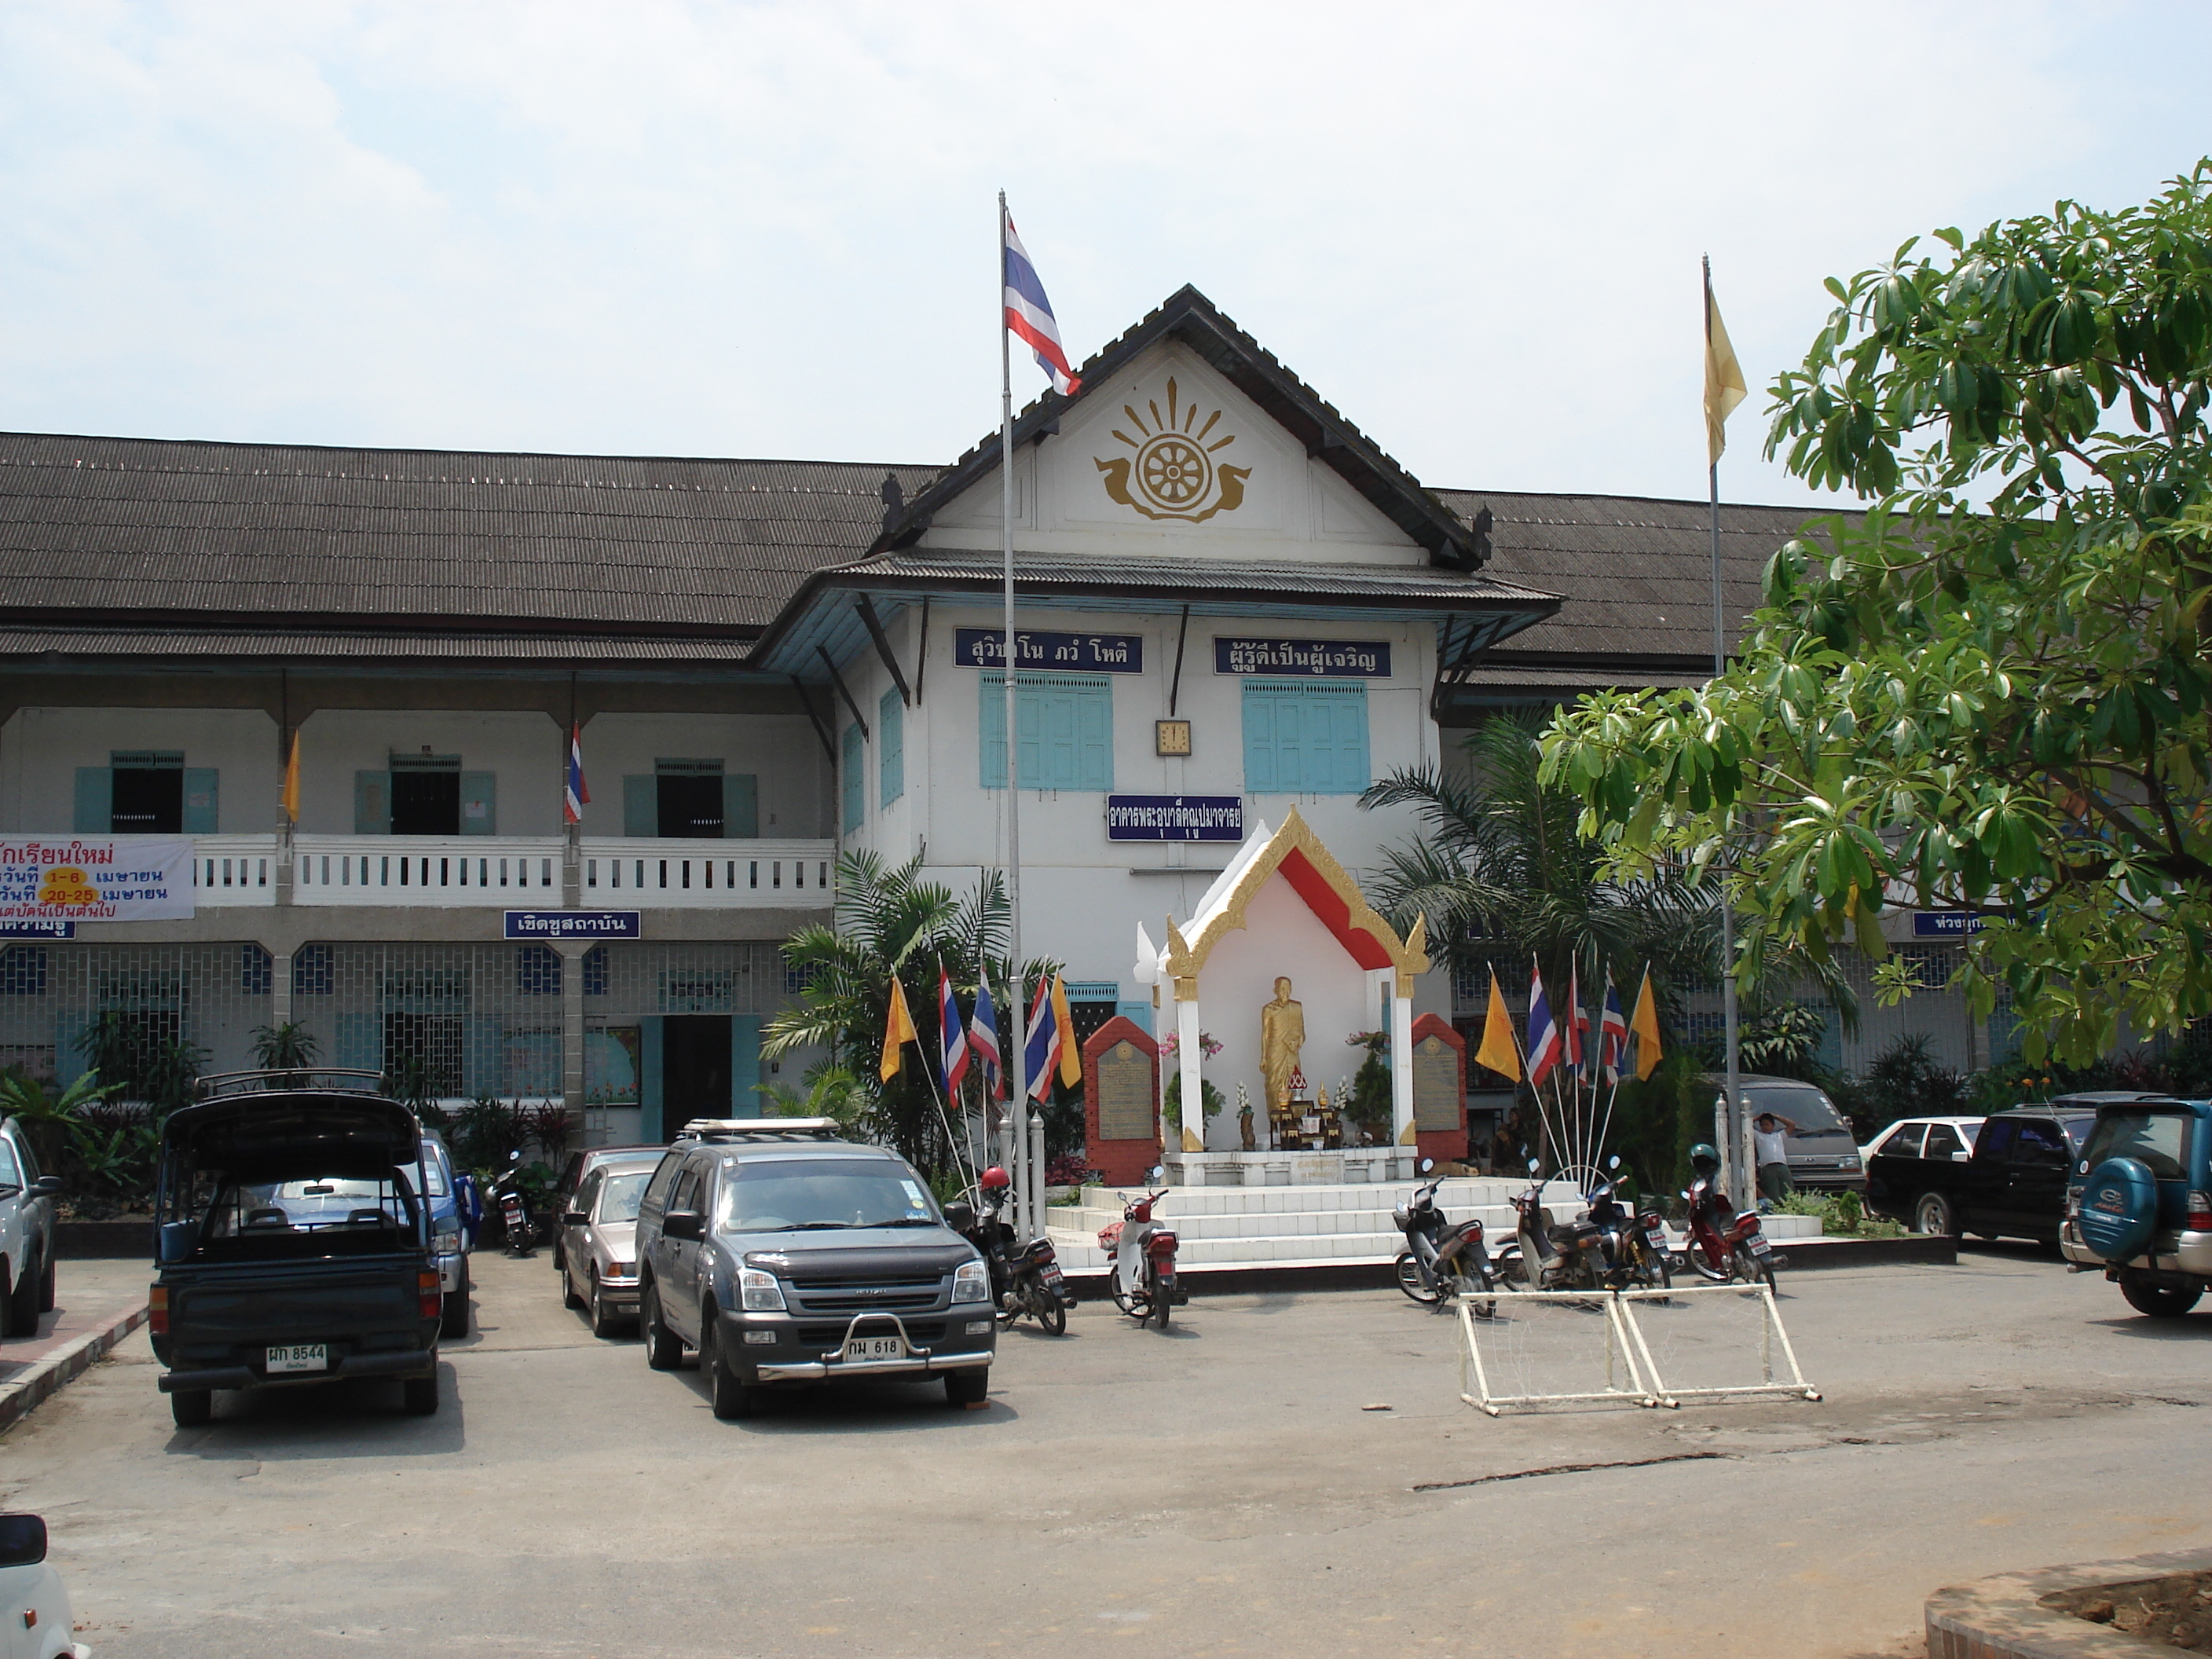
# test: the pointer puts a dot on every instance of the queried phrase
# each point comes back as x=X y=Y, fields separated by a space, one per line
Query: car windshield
x=794 y=1196
x=1803 y=1104
x=2159 y=1140
x=618 y=1197
x=252 y=1208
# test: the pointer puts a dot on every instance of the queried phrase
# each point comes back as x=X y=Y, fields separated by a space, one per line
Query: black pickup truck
x=2012 y=1186
x=292 y=1242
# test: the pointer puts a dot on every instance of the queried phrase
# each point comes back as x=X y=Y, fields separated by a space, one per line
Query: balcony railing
x=514 y=871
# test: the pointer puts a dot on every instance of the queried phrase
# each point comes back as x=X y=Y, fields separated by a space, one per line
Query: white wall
x=41 y=749
x=781 y=750
x=524 y=748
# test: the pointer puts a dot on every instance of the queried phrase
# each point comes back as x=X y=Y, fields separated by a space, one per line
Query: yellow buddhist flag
x=290 y=796
x=1498 y=1050
x=1645 y=1027
x=1724 y=382
x=1071 y=1056
x=898 y=1028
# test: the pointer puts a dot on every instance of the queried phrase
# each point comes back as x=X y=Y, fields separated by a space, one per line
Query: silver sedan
x=599 y=1258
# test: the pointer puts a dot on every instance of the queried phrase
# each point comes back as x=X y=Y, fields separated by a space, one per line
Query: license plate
x=1760 y=1246
x=875 y=1347
x=1657 y=1235
x=300 y=1357
x=1053 y=1278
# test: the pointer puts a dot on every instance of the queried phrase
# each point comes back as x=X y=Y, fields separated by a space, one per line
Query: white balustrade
x=234 y=870
x=622 y=874
x=427 y=870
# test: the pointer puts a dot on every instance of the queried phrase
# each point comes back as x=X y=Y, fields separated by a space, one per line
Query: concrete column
x=1401 y=1065
x=572 y=1036
x=280 y=986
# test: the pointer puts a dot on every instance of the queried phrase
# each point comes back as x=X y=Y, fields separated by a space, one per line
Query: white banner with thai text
x=96 y=878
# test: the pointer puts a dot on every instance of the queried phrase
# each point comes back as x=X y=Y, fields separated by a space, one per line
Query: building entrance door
x=694 y=1069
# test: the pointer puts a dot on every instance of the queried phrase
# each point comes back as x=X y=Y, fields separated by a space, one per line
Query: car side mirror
x=960 y=1215
x=685 y=1224
x=573 y=1219
x=46 y=1186
x=22 y=1540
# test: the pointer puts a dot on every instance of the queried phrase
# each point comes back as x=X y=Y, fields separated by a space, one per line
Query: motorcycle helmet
x=1704 y=1159
x=995 y=1179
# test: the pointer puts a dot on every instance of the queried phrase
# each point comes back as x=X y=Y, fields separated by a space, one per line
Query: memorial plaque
x=1124 y=1078
x=1435 y=1086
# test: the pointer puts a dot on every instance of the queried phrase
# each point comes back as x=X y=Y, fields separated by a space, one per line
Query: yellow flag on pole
x=1645 y=1027
x=1724 y=382
x=290 y=796
x=1498 y=1051
x=898 y=1028
x=1071 y=1055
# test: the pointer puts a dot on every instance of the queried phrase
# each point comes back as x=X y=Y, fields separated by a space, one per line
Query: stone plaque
x=1435 y=1086
x=1123 y=1077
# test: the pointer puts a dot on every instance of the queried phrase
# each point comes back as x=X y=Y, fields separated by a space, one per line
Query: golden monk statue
x=1282 y=1034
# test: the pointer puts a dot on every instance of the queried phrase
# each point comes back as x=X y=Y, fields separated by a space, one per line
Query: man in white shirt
x=1769 y=1137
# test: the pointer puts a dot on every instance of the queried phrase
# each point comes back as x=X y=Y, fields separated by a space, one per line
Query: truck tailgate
x=232 y=1313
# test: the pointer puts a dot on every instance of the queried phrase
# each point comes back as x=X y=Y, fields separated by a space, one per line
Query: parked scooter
x=514 y=1209
x=1442 y=1259
x=1025 y=1279
x=1633 y=1243
x=1145 y=1282
x=1725 y=1243
x=1548 y=1255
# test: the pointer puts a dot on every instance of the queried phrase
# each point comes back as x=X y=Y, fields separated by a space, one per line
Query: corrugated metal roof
x=519 y=647
x=1446 y=589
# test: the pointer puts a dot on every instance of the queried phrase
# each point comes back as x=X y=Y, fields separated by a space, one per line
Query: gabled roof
x=1189 y=318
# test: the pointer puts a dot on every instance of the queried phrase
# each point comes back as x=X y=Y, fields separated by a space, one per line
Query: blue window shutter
x=371 y=803
x=891 y=738
x=1259 y=741
x=1028 y=738
x=1305 y=738
x=642 y=805
x=744 y=1066
x=479 y=803
x=1139 y=1013
x=1095 y=738
x=201 y=801
x=991 y=732
x=95 y=801
x=740 y=805
x=1349 y=714
x=648 y=1080
x=855 y=785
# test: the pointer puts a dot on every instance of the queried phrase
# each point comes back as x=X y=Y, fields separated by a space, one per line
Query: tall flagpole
x=1025 y=1220
x=1731 y=1121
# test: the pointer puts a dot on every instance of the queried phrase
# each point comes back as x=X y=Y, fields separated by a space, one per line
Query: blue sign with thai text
x=1946 y=924
x=574 y=924
x=1085 y=653
x=1363 y=659
x=37 y=928
x=1174 y=818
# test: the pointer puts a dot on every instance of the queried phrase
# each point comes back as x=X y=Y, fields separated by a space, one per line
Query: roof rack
x=329 y=1079
x=762 y=1128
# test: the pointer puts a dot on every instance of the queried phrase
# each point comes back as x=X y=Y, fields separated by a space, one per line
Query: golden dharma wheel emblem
x=1173 y=473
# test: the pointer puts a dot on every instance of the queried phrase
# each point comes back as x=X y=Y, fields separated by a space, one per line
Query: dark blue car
x=2140 y=1204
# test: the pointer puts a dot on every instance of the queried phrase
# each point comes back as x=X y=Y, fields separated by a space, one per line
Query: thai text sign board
x=1085 y=653
x=95 y=879
x=1174 y=818
x=1361 y=660
x=1946 y=924
x=574 y=924
x=37 y=930
x=1124 y=1078
x=1435 y=1086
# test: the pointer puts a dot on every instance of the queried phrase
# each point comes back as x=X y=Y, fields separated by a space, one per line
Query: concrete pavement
x=1216 y=1490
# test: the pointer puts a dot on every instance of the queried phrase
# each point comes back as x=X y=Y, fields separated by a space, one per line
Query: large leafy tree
x=889 y=921
x=1987 y=695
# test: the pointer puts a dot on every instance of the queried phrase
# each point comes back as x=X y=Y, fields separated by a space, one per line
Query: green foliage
x=1843 y=1214
x=888 y=922
x=1781 y=1039
x=1657 y=1120
x=1210 y=1100
x=289 y=1047
x=481 y=1133
x=832 y=1091
x=1904 y=1080
x=163 y=1073
x=411 y=1080
x=1369 y=1105
x=1991 y=693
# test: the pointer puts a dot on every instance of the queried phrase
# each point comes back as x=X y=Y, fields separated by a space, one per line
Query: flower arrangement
x=1209 y=1045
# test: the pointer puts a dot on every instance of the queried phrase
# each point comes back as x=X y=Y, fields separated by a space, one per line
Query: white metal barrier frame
x=1624 y=1337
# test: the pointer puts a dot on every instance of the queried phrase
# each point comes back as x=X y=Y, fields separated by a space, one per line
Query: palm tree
x=890 y=922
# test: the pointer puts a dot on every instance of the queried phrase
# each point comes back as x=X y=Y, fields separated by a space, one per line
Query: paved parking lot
x=1216 y=1490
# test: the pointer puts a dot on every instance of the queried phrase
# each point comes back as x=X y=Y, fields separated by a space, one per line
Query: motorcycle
x=1726 y=1244
x=1145 y=1283
x=1441 y=1259
x=1549 y=1255
x=521 y=1227
x=1632 y=1245
x=1025 y=1279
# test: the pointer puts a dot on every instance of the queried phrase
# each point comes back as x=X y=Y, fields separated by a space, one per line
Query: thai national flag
x=1544 y=1041
x=1029 y=313
x=1579 y=1057
x=951 y=1034
x=1042 y=1055
x=983 y=1038
x=575 y=796
x=1611 y=1034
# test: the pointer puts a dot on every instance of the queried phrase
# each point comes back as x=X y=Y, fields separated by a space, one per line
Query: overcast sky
x=767 y=230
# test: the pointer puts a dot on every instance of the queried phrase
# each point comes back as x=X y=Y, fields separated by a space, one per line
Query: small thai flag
x=983 y=1038
x=1580 y=1057
x=1042 y=1053
x=1611 y=1034
x=1029 y=313
x=1544 y=1043
x=952 y=1034
x=575 y=796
